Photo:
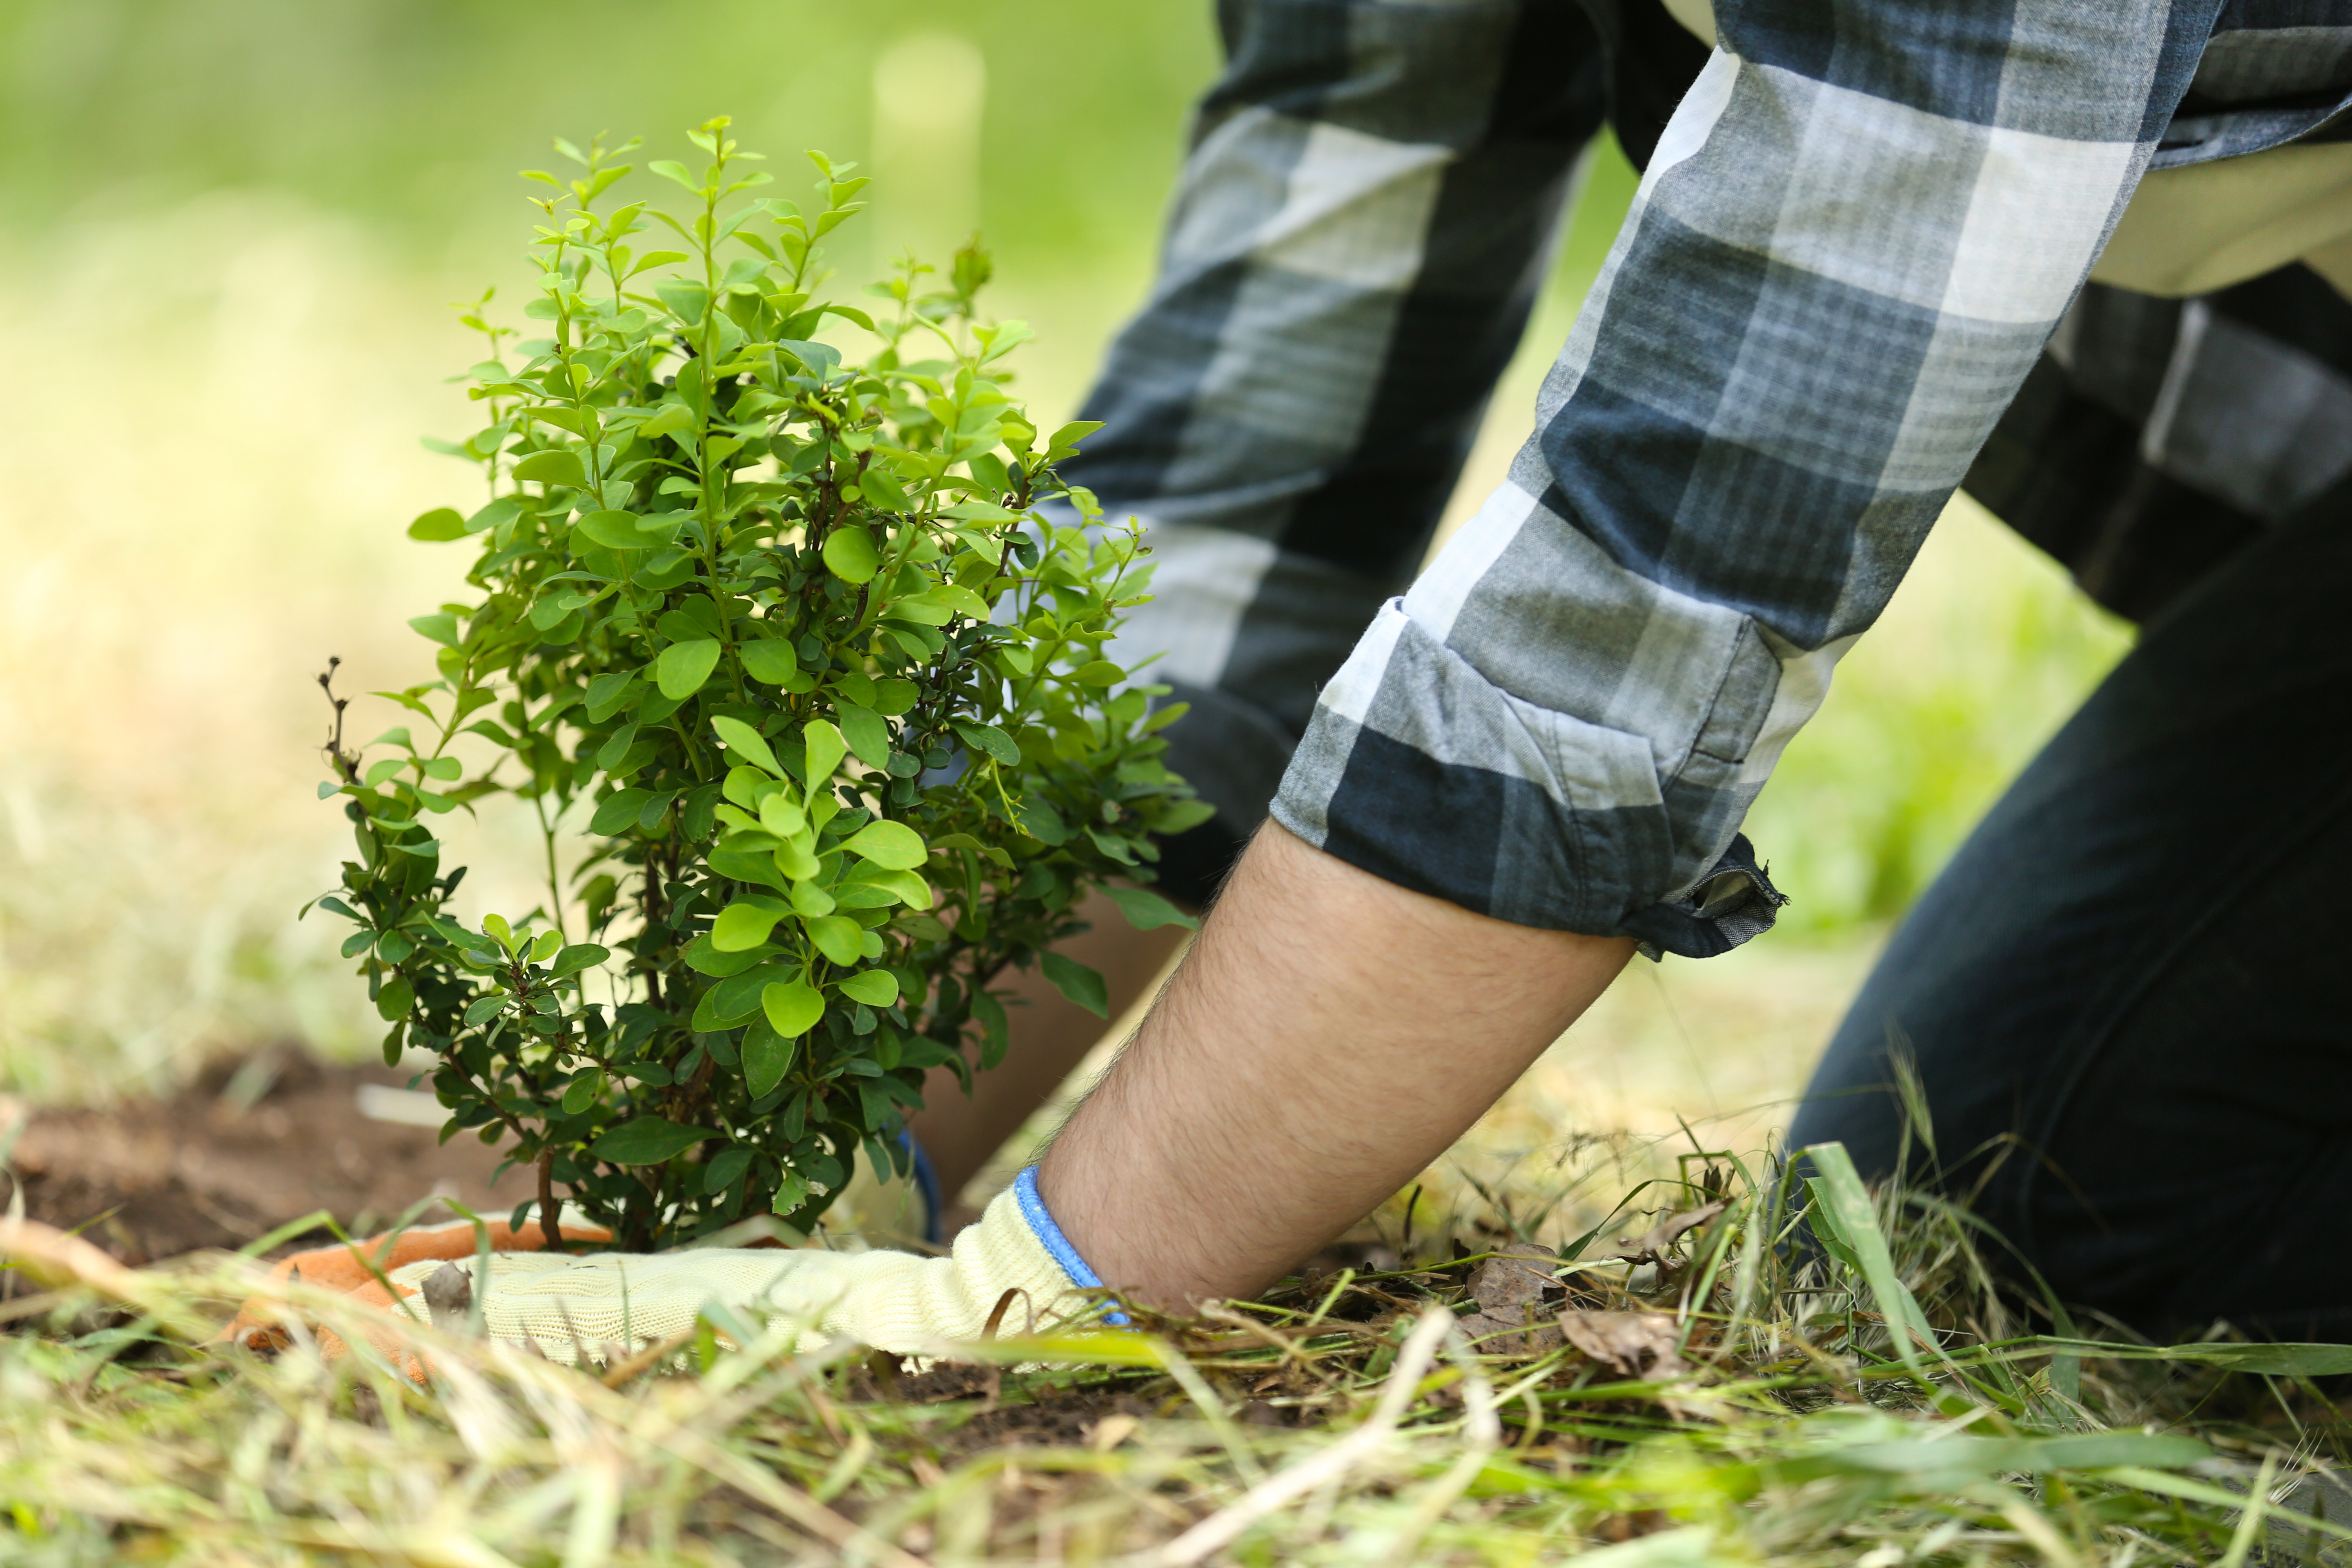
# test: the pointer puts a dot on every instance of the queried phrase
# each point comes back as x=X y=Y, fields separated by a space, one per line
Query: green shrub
x=783 y=631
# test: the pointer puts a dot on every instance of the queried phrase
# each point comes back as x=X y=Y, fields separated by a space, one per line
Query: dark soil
x=246 y=1149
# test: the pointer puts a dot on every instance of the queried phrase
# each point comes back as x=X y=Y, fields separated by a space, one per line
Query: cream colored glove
x=895 y=1301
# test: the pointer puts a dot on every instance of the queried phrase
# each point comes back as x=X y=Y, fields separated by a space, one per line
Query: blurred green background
x=229 y=233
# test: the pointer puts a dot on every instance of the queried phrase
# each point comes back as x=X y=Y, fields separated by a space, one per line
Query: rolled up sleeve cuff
x=1419 y=770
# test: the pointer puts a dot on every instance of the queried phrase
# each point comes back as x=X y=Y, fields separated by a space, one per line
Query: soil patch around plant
x=245 y=1148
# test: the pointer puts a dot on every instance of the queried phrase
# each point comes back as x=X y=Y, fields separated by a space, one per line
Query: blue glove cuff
x=1058 y=1245
x=926 y=1184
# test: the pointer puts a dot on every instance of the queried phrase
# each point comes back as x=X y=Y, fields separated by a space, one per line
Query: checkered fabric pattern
x=1851 y=244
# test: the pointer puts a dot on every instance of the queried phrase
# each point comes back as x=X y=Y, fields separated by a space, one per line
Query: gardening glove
x=1012 y=1270
x=874 y=1209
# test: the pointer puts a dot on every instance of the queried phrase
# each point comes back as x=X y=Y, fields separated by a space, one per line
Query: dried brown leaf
x=1631 y=1345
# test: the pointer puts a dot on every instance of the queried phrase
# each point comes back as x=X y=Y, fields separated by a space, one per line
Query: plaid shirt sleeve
x=1854 y=237
x=1850 y=246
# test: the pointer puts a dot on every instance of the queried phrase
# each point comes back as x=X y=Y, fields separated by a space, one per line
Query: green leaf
x=960 y=600
x=746 y=742
x=868 y=735
x=825 y=750
x=1076 y=981
x=392 y=1003
x=1099 y=672
x=884 y=491
x=653 y=258
x=875 y=987
x=989 y=740
x=619 y=811
x=705 y=959
x=614 y=530
x=1041 y=821
x=669 y=419
x=579 y=955
x=498 y=511
x=606 y=693
x=923 y=609
x=892 y=846
x=737 y=997
x=780 y=816
x=442 y=629
x=557 y=467
x=879 y=888
x=616 y=746
x=850 y=556
x=687 y=300
x=441 y=522
x=792 y=1007
x=647 y=1140
x=744 y=925
x=727 y=1167
x=767 y=1056
x=1147 y=910
x=980 y=512
x=770 y=661
x=837 y=937
x=893 y=696
x=555 y=609
x=685 y=666
x=738 y=863
x=581 y=1093
x=791 y=1193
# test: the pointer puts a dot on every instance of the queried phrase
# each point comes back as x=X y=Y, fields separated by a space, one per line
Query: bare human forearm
x=1329 y=1035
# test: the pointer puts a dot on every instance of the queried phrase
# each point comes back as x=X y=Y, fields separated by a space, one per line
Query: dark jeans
x=2127 y=995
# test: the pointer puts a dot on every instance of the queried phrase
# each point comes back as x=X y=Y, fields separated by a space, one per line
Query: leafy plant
x=785 y=629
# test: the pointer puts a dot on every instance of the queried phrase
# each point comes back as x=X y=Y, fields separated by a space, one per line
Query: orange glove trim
x=256 y=1325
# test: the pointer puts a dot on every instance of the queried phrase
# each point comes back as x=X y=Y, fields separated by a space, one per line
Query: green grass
x=1346 y=1418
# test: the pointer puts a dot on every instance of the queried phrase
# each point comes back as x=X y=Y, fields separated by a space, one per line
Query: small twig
x=346 y=763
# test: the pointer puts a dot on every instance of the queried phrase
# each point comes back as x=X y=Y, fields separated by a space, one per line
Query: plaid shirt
x=1851 y=246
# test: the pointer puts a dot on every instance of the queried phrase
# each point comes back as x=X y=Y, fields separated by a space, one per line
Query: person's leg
x=1051 y=1035
x=2123 y=995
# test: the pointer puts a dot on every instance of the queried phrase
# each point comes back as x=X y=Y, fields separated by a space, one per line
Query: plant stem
x=549 y=1228
x=554 y=882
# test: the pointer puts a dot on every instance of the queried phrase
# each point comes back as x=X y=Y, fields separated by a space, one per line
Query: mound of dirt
x=245 y=1150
